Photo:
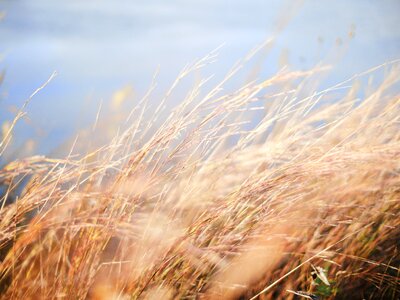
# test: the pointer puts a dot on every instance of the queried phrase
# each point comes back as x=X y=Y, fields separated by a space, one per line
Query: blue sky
x=100 y=46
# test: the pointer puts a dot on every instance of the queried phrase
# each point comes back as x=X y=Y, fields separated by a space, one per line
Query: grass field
x=274 y=190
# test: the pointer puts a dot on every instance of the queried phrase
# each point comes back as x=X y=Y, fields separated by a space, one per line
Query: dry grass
x=208 y=203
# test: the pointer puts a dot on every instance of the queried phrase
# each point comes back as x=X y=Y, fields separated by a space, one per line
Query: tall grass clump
x=273 y=190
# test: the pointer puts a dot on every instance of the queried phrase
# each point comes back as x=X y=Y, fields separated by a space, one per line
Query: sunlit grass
x=206 y=202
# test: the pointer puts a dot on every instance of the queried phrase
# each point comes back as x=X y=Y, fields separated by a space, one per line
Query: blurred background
x=103 y=50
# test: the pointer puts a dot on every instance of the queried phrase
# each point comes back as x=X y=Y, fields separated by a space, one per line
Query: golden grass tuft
x=208 y=203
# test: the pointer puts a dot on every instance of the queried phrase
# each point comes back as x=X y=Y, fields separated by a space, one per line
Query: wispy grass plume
x=269 y=191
